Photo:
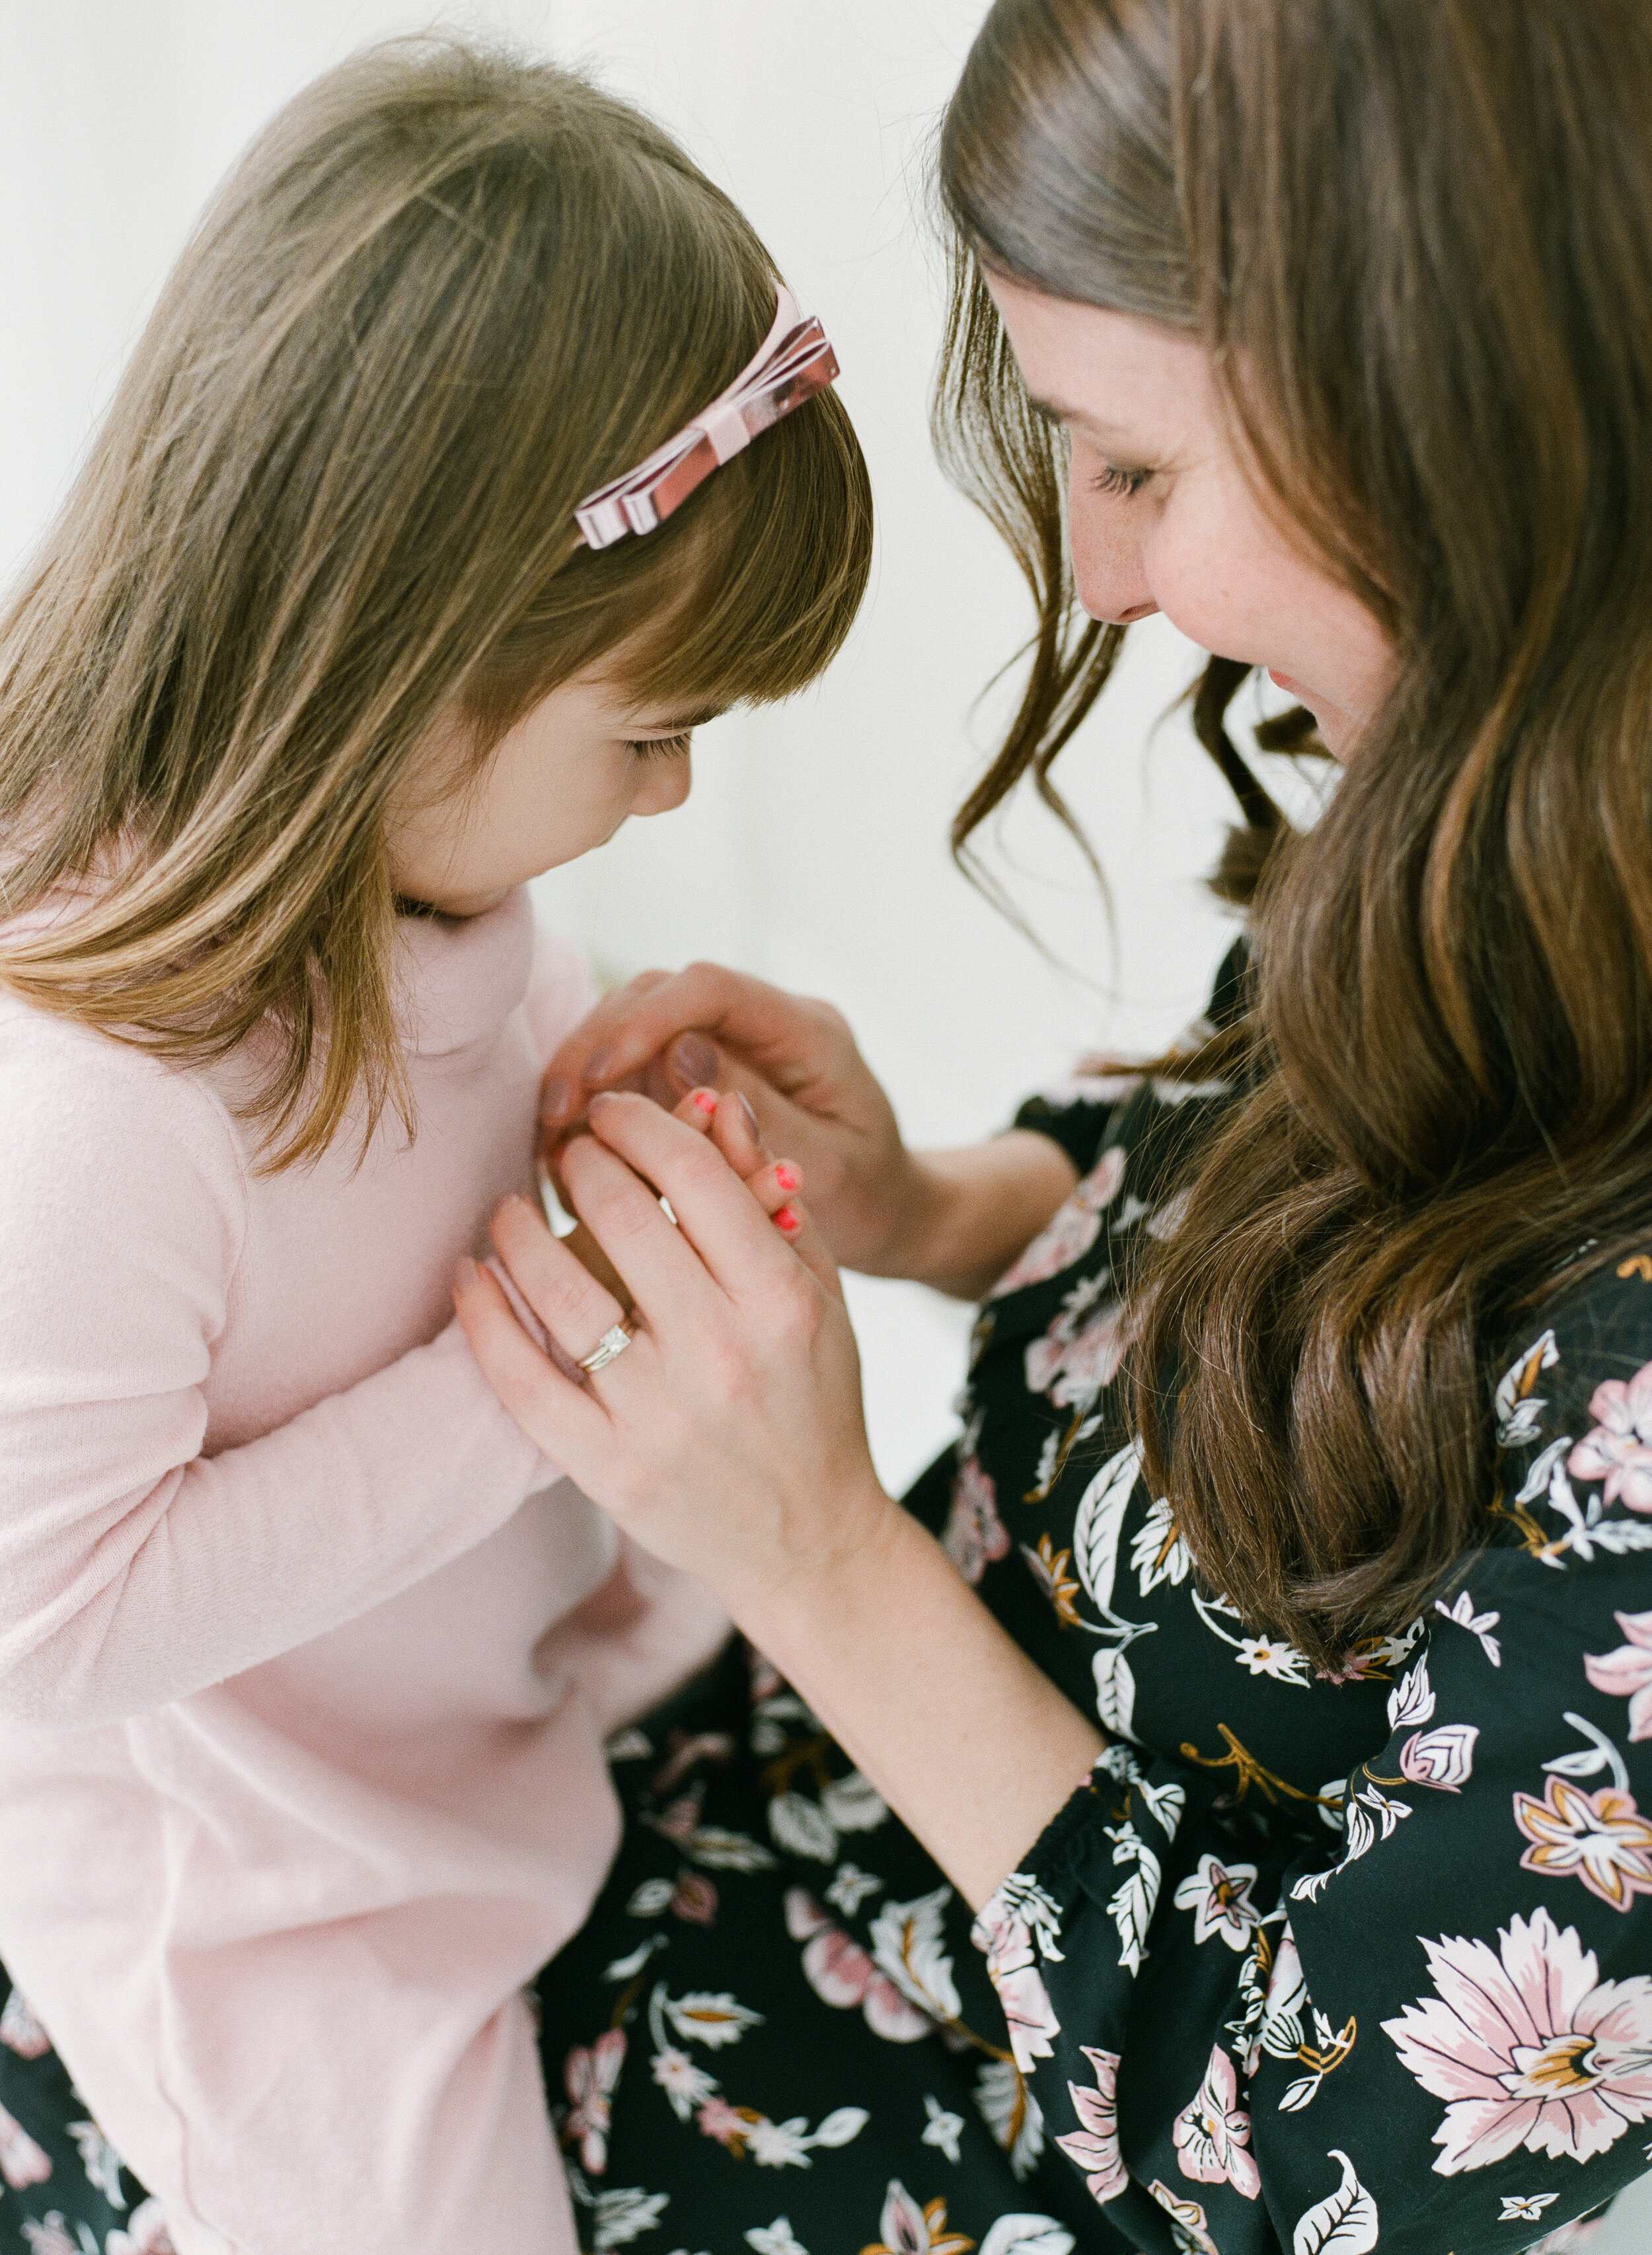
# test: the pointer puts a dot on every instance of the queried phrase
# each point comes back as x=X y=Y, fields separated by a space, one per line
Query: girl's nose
x=668 y=784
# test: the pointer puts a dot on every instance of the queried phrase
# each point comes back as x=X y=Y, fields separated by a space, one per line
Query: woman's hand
x=728 y=1438
x=795 y=1063
x=954 y=1219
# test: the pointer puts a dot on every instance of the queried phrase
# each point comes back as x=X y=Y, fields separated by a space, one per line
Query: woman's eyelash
x=1111 y=479
x=660 y=748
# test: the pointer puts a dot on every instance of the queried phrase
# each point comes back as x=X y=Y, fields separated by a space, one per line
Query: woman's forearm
x=969 y=1742
x=972 y=1210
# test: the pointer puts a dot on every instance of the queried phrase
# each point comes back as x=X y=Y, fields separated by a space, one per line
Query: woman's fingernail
x=692 y=1058
x=465 y=1274
x=787 y=1178
x=554 y=1098
x=705 y=1100
x=789 y=1219
x=747 y=1113
x=599 y=1063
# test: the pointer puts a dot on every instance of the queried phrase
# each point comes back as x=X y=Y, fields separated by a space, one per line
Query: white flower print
x=1158 y=1551
x=714 y=2020
x=1530 y=2049
x=975 y=1534
x=1021 y=1896
x=1627 y=1673
x=906 y=1942
x=589 y=2077
x=1461 y=1610
x=686 y=2084
x=776 y=2239
x=1069 y=1235
x=1094 y=2148
x=943 y=2129
x=909 y=2230
x=1011 y=2112
x=1027 y=2235
x=1081 y=1351
x=1270 y=1656
x=1518 y=1405
x=850 y=1887
x=812 y=1829
x=1212 y=2134
x=624 y=2216
x=146 y=2233
x=1526 y=2207
x=1443 y=1759
x=100 y=2160
x=50 y=2237
x=1218 y=1896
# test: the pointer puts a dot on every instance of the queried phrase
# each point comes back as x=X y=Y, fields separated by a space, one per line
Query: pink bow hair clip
x=792 y=363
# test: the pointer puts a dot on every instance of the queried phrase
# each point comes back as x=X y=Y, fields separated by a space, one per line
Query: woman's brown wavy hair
x=446 y=293
x=1416 y=236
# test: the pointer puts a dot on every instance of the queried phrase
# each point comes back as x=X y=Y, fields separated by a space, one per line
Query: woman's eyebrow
x=1056 y=410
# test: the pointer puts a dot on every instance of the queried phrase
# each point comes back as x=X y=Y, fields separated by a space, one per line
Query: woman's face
x=1164 y=518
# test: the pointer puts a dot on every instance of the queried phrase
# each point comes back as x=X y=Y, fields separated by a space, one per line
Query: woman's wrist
x=967 y=1214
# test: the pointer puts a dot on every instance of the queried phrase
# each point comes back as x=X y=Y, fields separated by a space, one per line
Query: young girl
x=306 y=1655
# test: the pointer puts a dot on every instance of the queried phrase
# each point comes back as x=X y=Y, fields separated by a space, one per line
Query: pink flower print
x=1012 y=1968
x=21 y=2162
x=146 y=2233
x=1600 y=1839
x=1212 y=2135
x=1443 y=1759
x=51 y=2237
x=20 y=2031
x=1528 y=2049
x=841 y=1973
x=1095 y=2147
x=679 y=1820
x=730 y=2125
x=909 y=2230
x=1073 y=1232
x=1071 y=1363
x=974 y=1533
x=1627 y=1673
x=589 y=2077
x=1618 y=1448
x=694 y=1899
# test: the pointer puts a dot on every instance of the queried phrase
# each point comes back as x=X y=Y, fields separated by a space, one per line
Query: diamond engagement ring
x=607 y=1349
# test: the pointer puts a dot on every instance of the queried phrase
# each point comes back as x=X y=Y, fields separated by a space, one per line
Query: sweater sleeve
x=133 y=1571
x=1434 y=2023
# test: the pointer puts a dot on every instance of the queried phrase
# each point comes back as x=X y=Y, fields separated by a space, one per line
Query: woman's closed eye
x=1110 y=479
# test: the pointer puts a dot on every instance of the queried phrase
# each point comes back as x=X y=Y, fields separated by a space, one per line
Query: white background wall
x=813 y=850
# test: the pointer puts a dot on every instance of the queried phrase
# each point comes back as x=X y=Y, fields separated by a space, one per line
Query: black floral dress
x=1323 y=1963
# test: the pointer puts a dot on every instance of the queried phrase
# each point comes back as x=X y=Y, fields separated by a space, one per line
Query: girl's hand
x=729 y=1437
x=796 y=1065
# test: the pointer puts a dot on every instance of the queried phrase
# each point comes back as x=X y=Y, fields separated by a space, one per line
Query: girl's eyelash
x=660 y=748
x=1111 y=479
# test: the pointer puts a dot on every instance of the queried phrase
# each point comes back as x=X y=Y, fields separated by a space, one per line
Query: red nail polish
x=787 y=1178
x=705 y=1100
x=790 y=1221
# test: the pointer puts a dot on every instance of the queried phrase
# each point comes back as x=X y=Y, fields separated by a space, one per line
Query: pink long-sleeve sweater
x=306 y=1656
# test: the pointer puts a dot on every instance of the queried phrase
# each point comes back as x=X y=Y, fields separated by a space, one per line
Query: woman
x=1308 y=1447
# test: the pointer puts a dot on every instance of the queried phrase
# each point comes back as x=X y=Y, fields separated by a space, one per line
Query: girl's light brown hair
x=1417 y=235
x=445 y=294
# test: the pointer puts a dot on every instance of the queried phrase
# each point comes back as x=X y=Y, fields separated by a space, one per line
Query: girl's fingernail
x=554 y=1098
x=465 y=1274
x=693 y=1057
x=599 y=1063
x=747 y=1113
x=789 y=1219
x=705 y=1100
x=787 y=1178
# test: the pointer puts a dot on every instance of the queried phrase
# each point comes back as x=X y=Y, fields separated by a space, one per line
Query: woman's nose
x=1106 y=554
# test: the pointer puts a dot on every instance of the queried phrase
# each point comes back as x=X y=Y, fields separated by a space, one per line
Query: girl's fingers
x=574 y=1306
x=561 y=1418
x=714 y=1208
x=736 y=1132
